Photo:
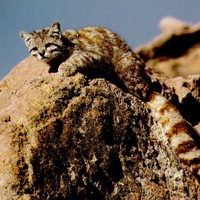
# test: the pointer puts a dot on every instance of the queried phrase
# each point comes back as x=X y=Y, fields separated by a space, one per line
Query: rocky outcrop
x=81 y=138
x=75 y=138
x=175 y=51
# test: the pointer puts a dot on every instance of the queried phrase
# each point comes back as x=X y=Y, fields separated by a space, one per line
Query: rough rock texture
x=176 y=51
x=77 y=138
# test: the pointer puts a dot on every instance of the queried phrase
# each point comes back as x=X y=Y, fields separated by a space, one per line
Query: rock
x=176 y=51
x=76 y=138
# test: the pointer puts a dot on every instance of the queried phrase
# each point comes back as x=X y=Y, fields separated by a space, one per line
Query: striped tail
x=179 y=132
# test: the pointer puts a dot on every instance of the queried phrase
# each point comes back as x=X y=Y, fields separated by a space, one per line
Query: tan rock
x=75 y=138
x=176 y=51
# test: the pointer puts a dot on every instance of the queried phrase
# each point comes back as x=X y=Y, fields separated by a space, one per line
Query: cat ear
x=55 y=29
x=25 y=36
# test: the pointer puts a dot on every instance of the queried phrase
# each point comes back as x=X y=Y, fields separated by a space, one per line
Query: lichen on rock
x=70 y=138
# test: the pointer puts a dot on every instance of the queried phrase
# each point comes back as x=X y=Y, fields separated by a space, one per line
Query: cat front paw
x=67 y=69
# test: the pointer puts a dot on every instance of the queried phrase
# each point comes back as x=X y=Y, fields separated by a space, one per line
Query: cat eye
x=34 y=49
x=47 y=45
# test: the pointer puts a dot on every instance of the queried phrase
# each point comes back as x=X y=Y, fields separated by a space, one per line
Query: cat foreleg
x=78 y=61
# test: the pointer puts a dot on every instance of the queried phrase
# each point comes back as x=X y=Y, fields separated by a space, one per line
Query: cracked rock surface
x=81 y=138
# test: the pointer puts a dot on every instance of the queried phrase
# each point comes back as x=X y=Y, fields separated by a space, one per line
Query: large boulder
x=76 y=138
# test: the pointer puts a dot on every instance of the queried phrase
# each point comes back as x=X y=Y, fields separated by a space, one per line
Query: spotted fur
x=94 y=47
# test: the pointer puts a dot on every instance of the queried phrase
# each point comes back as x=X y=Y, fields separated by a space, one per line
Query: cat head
x=45 y=44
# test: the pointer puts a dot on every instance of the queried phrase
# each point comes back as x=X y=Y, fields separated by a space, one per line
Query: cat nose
x=42 y=53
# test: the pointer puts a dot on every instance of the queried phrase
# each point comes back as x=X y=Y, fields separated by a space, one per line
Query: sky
x=136 y=21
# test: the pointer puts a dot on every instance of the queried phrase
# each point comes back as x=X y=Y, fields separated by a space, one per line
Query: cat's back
x=96 y=34
x=101 y=40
